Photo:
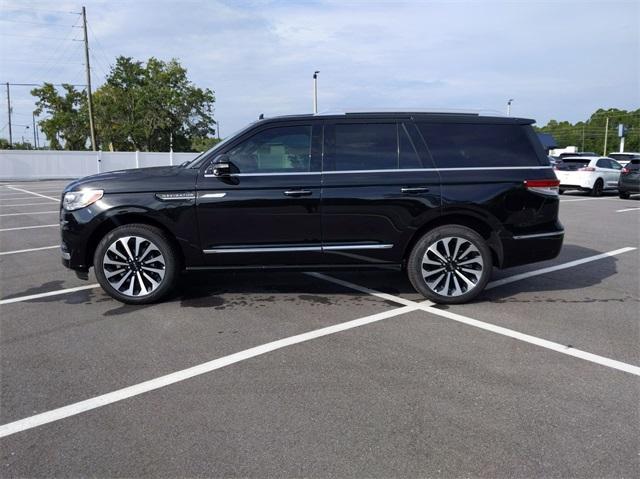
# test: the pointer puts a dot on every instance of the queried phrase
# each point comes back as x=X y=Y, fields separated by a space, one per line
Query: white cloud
x=557 y=59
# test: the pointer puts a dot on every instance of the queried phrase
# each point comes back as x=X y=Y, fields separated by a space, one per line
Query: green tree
x=67 y=125
x=203 y=144
x=589 y=135
x=149 y=106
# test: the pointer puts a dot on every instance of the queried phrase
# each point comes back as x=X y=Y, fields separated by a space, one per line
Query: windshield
x=198 y=160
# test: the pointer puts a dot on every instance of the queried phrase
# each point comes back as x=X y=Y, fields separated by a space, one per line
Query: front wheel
x=625 y=195
x=450 y=264
x=135 y=264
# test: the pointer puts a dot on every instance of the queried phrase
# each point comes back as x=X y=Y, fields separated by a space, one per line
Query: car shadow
x=258 y=289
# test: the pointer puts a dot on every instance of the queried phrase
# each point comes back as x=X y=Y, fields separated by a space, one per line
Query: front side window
x=276 y=150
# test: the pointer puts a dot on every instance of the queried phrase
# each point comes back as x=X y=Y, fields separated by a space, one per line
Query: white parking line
x=20 y=196
x=28 y=250
x=178 y=376
x=20 y=299
x=33 y=193
x=25 y=204
x=28 y=227
x=30 y=213
x=627 y=209
x=561 y=348
x=591 y=199
x=570 y=264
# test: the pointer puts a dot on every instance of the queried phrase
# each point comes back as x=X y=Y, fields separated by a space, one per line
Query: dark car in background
x=629 y=182
x=444 y=196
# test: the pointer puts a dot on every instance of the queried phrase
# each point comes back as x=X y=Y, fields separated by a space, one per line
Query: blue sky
x=557 y=59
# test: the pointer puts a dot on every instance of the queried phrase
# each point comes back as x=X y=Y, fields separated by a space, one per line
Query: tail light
x=587 y=168
x=546 y=187
x=625 y=171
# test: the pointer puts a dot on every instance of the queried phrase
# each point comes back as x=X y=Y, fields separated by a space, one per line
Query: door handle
x=414 y=189
x=297 y=192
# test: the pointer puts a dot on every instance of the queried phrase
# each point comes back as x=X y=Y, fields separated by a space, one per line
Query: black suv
x=444 y=196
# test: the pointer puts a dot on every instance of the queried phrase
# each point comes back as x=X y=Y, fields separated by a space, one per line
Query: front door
x=264 y=209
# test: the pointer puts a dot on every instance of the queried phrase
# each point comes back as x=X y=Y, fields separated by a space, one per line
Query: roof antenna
x=261 y=117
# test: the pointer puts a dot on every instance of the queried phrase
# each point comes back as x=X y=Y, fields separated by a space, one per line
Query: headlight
x=74 y=200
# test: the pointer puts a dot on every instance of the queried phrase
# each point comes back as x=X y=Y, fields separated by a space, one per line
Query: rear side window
x=366 y=146
x=371 y=146
x=478 y=145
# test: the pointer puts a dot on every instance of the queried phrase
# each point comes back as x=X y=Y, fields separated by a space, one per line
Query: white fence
x=51 y=164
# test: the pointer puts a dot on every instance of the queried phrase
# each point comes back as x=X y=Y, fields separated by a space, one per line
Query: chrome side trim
x=539 y=235
x=287 y=249
x=266 y=249
x=213 y=195
x=356 y=246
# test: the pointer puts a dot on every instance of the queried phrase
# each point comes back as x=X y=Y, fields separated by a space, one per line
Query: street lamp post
x=315 y=92
x=509 y=106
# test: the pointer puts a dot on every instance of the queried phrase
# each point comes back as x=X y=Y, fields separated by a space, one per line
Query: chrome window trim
x=287 y=249
x=391 y=170
x=539 y=235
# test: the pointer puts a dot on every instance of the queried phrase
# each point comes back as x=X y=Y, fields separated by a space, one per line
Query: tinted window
x=573 y=164
x=478 y=145
x=283 y=149
x=602 y=163
x=361 y=146
x=408 y=156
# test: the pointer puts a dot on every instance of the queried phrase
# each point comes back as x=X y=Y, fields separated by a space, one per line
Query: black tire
x=598 y=187
x=146 y=272
x=625 y=195
x=561 y=191
x=437 y=238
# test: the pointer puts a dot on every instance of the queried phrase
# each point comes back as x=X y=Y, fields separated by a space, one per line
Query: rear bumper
x=532 y=247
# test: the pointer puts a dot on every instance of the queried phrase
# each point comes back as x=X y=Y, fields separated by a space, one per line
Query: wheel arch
x=115 y=220
x=462 y=218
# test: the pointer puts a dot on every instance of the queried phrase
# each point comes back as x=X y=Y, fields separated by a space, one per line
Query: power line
x=40 y=84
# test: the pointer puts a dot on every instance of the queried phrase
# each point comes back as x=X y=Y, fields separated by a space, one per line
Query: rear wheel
x=598 y=187
x=450 y=264
x=135 y=264
x=624 y=195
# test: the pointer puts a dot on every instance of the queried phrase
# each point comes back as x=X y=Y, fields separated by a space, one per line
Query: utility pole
x=606 y=133
x=315 y=92
x=35 y=143
x=582 y=137
x=9 y=112
x=88 y=68
x=509 y=106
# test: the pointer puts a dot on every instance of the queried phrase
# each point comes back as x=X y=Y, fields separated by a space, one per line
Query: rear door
x=378 y=187
x=266 y=211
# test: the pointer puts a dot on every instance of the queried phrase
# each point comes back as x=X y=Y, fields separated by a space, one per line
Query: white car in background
x=593 y=174
x=624 y=157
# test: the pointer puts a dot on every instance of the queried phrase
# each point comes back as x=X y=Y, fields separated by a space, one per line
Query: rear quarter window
x=479 y=145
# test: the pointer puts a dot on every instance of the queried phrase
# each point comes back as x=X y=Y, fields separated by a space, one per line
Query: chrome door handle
x=297 y=192
x=416 y=189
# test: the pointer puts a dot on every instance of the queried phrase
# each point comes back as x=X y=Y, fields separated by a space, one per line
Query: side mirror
x=220 y=166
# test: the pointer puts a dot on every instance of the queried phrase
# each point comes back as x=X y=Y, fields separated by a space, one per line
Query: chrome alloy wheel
x=452 y=266
x=133 y=266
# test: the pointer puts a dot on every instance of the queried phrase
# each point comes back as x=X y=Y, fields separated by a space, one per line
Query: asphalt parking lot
x=332 y=375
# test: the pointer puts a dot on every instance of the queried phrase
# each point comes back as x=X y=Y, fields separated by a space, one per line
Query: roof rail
x=408 y=111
